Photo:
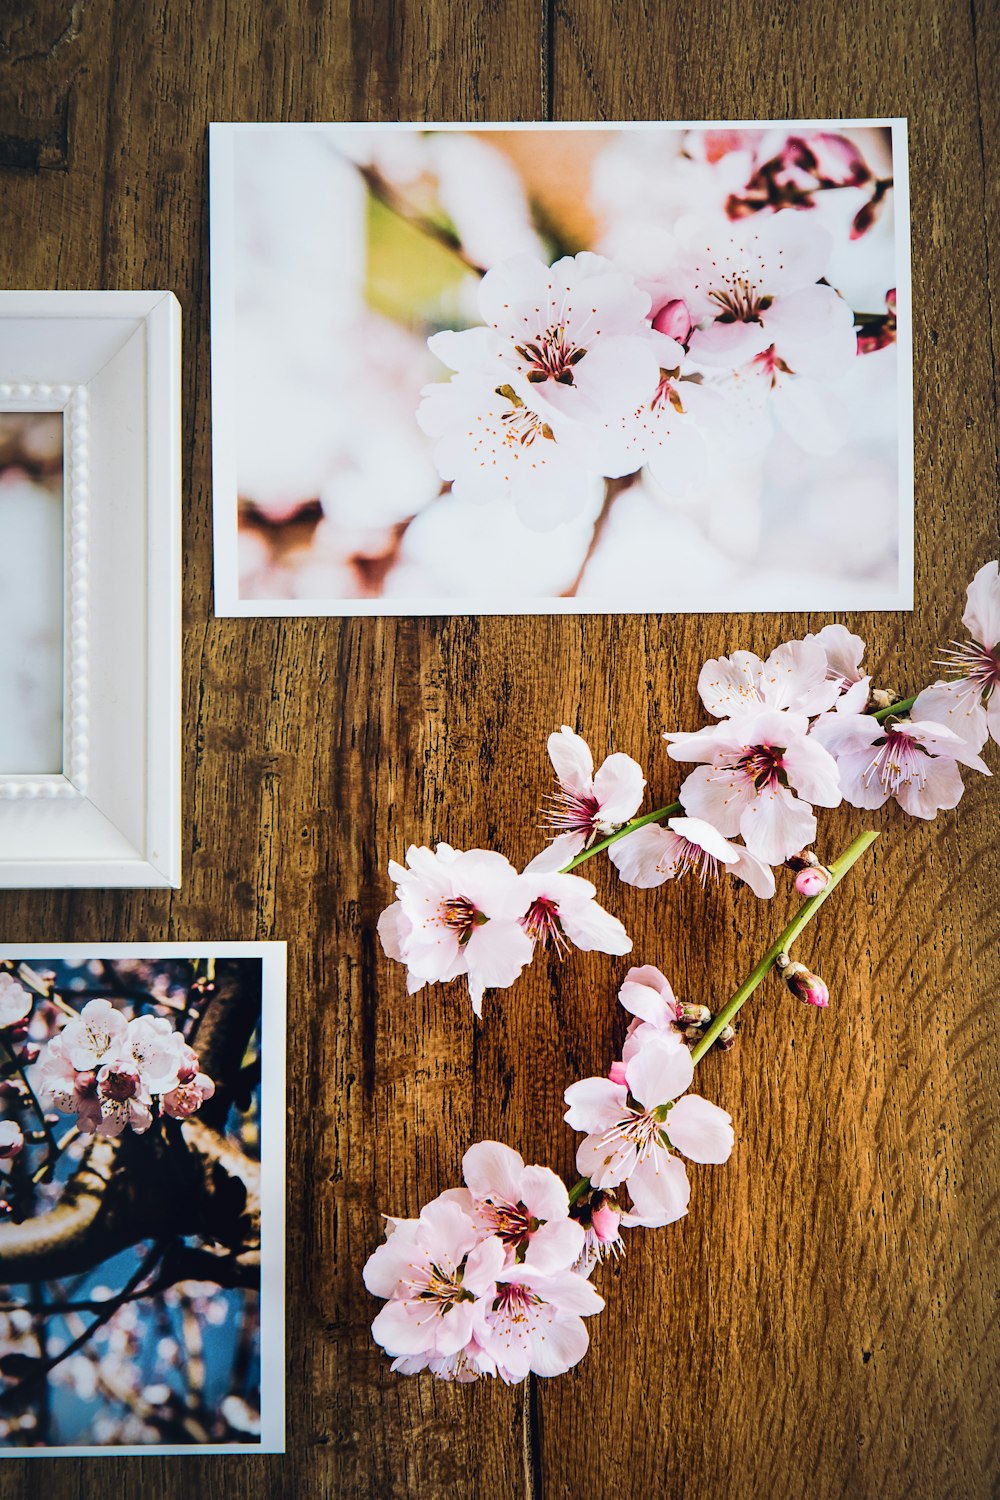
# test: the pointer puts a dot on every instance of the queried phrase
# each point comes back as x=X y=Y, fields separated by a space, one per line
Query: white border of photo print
x=110 y=361
x=783 y=590
x=272 y=1184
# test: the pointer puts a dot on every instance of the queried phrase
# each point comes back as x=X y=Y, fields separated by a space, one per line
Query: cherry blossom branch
x=675 y=809
x=386 y=195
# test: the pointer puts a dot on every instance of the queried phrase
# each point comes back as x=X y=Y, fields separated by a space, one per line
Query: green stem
x=902 y=707
x=838 y=869
x=673 y=811
x=783 y=942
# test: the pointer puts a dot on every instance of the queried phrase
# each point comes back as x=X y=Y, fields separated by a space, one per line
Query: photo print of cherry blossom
x=561 y=368
x=31 y=592
x=141 y=1199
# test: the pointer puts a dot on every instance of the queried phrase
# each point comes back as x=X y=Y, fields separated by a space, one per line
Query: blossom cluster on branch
x=492 y=1278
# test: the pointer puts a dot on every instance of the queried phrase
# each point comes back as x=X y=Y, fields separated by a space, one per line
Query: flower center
x=761 y=764
x=551 y=357
x=442 y=1289
x=898 y=761
x=120 y=1086
x=516 y=1300
x=639 y=1129
x=688 y=856
x=461 y=916
x=976 y=665
x=739 y=301
x=667 y=393
x=575 y=812
x=541 y=923
x=510 y=1222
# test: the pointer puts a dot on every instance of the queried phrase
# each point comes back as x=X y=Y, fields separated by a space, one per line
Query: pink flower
x=575 y=334
x=654 y=854
x=970 y=703
x=915 y=761
x=12 y=1144
x=759 y=774
x=123 y=1102
x=96 y=1037
x=796 y=675
x=457 y=913
x=563 y=909
x=493 y=446
x=625 y=1143
x=187 y=1098
x=157 y=1052
x=522 y=1206
x=536 y=1323
x=439 y=1275
x=15 y=1001
x=752 y=285
x=588 y=806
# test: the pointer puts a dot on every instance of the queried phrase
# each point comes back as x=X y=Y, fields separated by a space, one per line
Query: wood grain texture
x=823 y=1323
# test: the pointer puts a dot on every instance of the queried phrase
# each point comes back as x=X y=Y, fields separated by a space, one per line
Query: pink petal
x=492 y=1169
x=756 y=874
x=483 y=1266
x=558 y=854
x=555 y=1246
x=543 y=1193
x=795 y=676
x=700 y=1129
x=941 y=790
x=707 y=837
x=393 y=928
x=647 y=1003
x=595 y=1104
x=728 y=684
x=958 y=709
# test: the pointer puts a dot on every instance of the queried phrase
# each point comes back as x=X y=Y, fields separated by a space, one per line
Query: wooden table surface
x=822 y=1323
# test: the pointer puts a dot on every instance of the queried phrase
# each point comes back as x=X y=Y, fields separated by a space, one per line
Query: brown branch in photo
x=185 y=1178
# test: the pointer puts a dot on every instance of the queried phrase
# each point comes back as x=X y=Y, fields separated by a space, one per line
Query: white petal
x=757 y=875
x=660 y=1190
x=812 y=771
x=484 y=1265
x=728 y=684
x=982 y=611
x=558 y=854
x=572 y=760
x=700 y=1129
x=953 y=705
x=707 y=837
x=795 y=676
x=942 y=789
x=593 y=929
x=718 y=796
x=496 y=953
x=565 y=1343
x=776 y=824
x=645 y=858
x=605 y=1162
x=618 y=787
x=659 y=1072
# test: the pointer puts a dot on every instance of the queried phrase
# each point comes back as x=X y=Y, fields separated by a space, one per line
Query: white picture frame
x=110 y=362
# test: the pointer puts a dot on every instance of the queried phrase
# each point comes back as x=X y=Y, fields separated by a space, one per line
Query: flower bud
x=604 y=1222
x=803 y=983
x=883 y=698
x=616 y=1072
x=811 y=881
x=697 y=1015
x=86 y=1082
x=674 y=320
x=726 y=1039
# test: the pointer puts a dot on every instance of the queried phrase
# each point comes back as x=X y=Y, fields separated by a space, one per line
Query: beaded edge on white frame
x=74 y=402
